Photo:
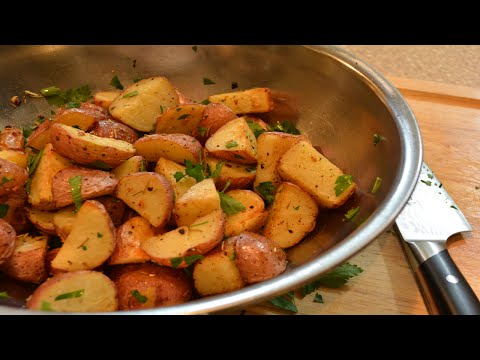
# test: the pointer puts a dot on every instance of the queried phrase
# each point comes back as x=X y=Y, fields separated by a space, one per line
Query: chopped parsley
x=139 y=297
x=255 y=127
x=266 y=190
x=205 y=102
x=342 y=183
x=99 y=235
x=57 y=97
x=352 y=213
x=285 y=302
x=284 y=126
x=76 y=188
x=426 y=182
x=162 y=109
x=231 y=144
x=99 y=164
x=229 y=205
x=202 y=223
x=334 y=279
x=184 y=116
x=5 y=180
x=115 y=82
x=72 y=105
x=33 y=161
x=377 y=138
x=251 y=169
x=137 y=79
x=46 y=306
x=296 y=207
x=318 y=298
x=197 y=171
x=176 y=261
x=376 y=185
x=453 y=207
x=143 y=166
x=3 y=210
x=236 y=156
x=131 y=94
x=189 y=260
x=232 y=256
x=202 y=130
x=430 y=176
x=207 y=81
x=70 y=295
x=4 y=295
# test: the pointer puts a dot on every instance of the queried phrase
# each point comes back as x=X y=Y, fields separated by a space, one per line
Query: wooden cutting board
x=449 y=120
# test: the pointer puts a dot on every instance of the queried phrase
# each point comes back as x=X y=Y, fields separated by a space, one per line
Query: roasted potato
x=12 y=210
x=292 y=216
x=90 y=242
x=132 y=165
x=115 y=208
x=173 y=248
x=214 y=117
x=304 y=166
x=270 y=147
x=145 y=286
x=114 y=130
x=139 y=105
x=86 y=148
x=180 y=119
x=105 y=98
x=12 y=177
x=174 y=147
x=81 y=118
x=168 y=169
x=11 y=138
x=48 y=262
x=198 y=201
x=237 y=175
x=7 y=240
x=149 y=194
x=63 y=221
x=94 y=183
x=251 y=219
x=78 y=291
x=258 y=100
x=130 y=236
x=27 y=263
x=217 y=273
x=40 y=136
x=234 y=142
x=41 y=219
x=14 y=156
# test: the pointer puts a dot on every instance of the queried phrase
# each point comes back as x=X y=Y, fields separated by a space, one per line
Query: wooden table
x=449 y=120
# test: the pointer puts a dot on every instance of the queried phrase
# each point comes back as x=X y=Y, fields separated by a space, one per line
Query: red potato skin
x=7 y=240
x=29 y=266
x=161 y=285
x=12 y=177
x=11 y=138
x=258 y=258
x=182 y=99
x=16 y=215
x=88 y=108
x=48 y=262
x=113 y=129
x=214 y=117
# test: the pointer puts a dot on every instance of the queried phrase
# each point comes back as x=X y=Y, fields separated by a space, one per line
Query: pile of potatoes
x=108 y=179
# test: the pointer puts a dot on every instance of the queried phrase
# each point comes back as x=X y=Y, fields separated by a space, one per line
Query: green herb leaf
x=207 y=81
x=27 y=132
x=229 y=205
x=350 y=215
x=296 y=207
x=251 y=169
x=453 y=207
x=342 y=183
x=72 y=105
x=333 y=279
x=4 y=295
x=178 y=176
x=115 y=82
x=376 y=186
x=231 y=144
x=194 y=171
x=218 y=169
x=70 y=295
x=194 y=48
x=3 y=210
x=427 y=182
x=76 y=188
x=318 y=298
x=176 y=261
x=99 y=235
x=57 y=97
x=140 y=298
x=5 y=180
x=46 y=306
x=202 y=223
x=184 y=116
x=266 y=190
x=234 y=85
x=33 y=161
x=236 y=156
x=205 y=102
x=377 y=138
x=202 y=130
x=233 y=256
x=131 y=94
x=284 y=126
x=99 y=164
x=284 y=302
x=162 y=109
x=189 y=260
x=143 y=166
x=137 y=79
x=430 y=176
x=50 y=91
x=256 y=128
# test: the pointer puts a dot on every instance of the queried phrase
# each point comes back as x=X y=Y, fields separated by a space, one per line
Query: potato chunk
x=257 y=100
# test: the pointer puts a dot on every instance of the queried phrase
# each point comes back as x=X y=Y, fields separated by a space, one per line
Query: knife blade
x=426 y=222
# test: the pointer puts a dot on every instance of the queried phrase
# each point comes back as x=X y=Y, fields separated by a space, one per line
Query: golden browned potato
x=12 y=177
x=63 y=221
x=292 y=216
x=82 y=118
x=239 y=176
x=94 y=183
x=270 y=147
x=130 y=236
x=257 y=100
x=133 y=165
x=14 y=156
x=12 y=208
x=86 y=148
x=48 y=261
x=251 y=219
x=304 y=166
x=149 y=194
x=78 y=291
x=198 y=201
x=11 y=138
x=27 y=263
x=217 y=273
x=50 y=163
x=42 y=220
x=180 y=119
x=40 y=136
x=115 y=208
x=175 y=247
x=105 y=98
x=234 y=142
x=7 y=240
x=145 y=286
x=168 y=169
x=114 y=130
x=258 y=258
x=214 y=117
x=90 y=242
x=139 y=105
x=174 y=147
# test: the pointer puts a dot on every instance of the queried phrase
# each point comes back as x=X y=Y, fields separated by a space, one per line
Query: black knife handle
x=450 y=291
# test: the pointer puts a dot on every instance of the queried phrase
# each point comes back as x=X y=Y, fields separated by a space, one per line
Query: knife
x=428 y=219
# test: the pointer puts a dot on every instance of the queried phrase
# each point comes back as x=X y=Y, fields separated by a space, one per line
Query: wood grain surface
x=449 y=120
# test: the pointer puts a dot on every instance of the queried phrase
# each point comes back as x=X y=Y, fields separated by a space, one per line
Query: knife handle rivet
x=452 y=279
